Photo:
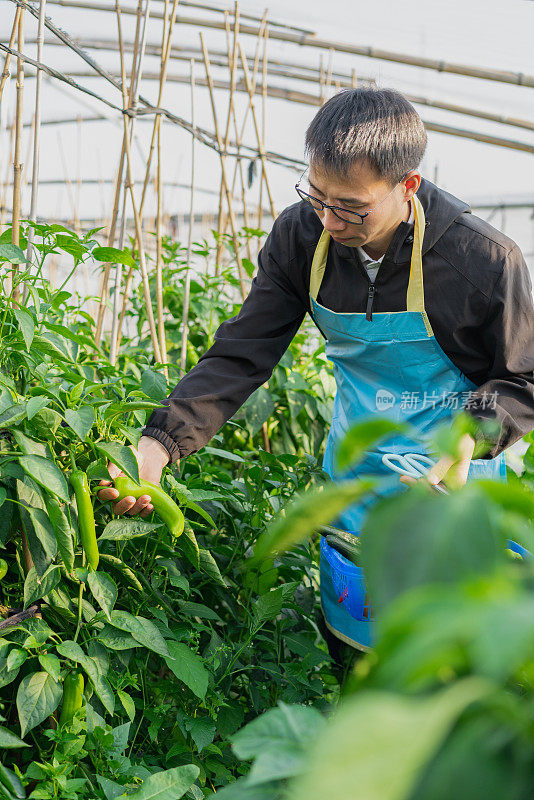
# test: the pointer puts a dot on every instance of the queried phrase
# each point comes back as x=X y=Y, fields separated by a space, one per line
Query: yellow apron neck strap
x=415 y=299
x=319 y=264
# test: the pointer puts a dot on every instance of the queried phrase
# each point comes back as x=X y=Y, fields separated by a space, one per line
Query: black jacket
x=478 y=297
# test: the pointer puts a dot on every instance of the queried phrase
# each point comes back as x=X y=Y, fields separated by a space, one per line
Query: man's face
x=361 y=190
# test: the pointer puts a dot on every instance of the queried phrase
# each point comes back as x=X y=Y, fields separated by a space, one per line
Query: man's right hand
x=151 y=458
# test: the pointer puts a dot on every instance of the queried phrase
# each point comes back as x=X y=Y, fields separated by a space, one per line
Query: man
x=353 y=253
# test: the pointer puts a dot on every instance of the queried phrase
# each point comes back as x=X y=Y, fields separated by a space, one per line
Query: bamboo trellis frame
x=310 y=39
x=244 y=25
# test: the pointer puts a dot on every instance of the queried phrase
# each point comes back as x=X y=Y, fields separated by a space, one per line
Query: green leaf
x=381 y=742
x=72 y=650
x=143 y=630
x=188 y=667
x=189 y=546
x=242 y=790
x=51 y=664
x=215 y=451
x=46 y=422
x=122 y=456
x=111 y=789
x=208 y=565
x=202 y=730
x=51 y=345
x=112 y=255
x=41 y=539
x=168 y=785
x=104 y=590
x=258 y=408
x=115 y=639
x=63 y=531
x=35 y=587
x=154 y=385
x=512 y=496
x=307 y=513
x=81 y=421
x=10 y=781
x=127 y=703
x=413 y=539
x=16 y=659
x=26 y=325
x=197 y=610
x=47 y=474
x=269 y=605
x=12 y=253
x=38 y=696
x=362 y=436
x=278 y=740
x=8 y=740
x=30 y=446
x=12 y=415
x=122 y=529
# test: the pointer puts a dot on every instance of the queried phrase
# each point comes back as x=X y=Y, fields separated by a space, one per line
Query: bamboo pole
x=328 y=79
x=204 y=6
x=133 y=97
x=9 y=163
x=259 y=137
x=136 y=63
x=159 y=262
x=222 y=156
x=282 y=69
x=137 y=220
x=117 y=194
x=345 y=81
x=301 y=98
x=159 y=256
x=232 y=64
x=15 y=233
x=239 y=134
x=321 y=80
x=17 y=165
x=36 y=133
x=264 y=70
x=232 y=61
x=24 y=178
x=187 y=284
x=314 y=41
x=5 y=72
x=157 y=119
x=165 y=51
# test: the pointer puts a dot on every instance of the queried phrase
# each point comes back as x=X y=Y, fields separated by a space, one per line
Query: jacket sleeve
x=245 y=351
x=507 y=395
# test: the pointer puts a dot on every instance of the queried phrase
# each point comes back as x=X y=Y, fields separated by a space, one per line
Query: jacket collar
x=441 y=210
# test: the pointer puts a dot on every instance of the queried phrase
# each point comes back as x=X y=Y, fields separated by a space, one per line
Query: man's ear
x=411 y=184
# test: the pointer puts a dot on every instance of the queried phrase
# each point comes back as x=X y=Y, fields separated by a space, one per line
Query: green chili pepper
x=163 y=504
x=3 y=568
x=72 y=696
x=86 y=517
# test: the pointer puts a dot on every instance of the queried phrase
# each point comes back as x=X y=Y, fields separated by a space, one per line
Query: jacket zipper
x=370 y=297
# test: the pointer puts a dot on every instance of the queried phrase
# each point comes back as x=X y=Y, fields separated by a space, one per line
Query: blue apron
x=390 y=365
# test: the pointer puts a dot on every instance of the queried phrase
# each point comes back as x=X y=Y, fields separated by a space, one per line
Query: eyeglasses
x=340 y=212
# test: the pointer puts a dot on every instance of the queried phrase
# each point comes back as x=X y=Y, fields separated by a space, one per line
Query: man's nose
x=332 y=223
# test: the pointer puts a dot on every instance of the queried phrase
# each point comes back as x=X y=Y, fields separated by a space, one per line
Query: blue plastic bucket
x=349 y=582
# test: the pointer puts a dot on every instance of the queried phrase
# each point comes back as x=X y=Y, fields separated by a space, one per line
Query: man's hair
x=379 y=126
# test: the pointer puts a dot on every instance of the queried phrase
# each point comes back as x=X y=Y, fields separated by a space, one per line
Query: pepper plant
x=129 y=650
